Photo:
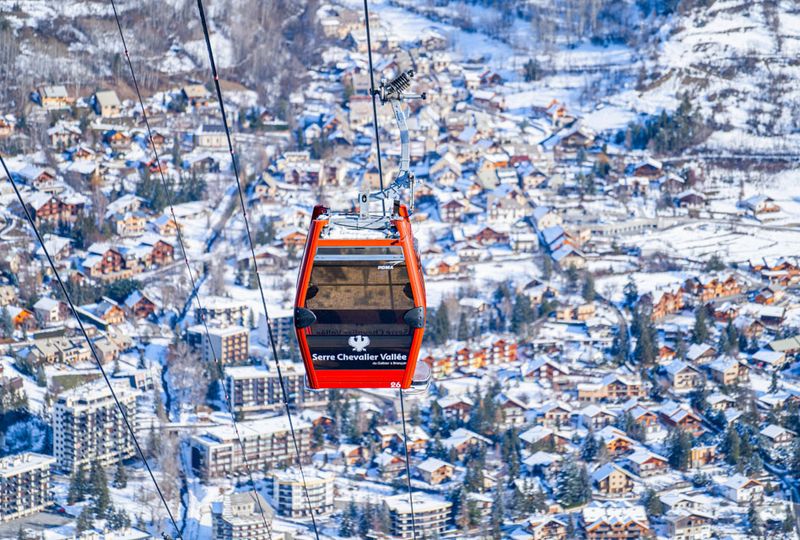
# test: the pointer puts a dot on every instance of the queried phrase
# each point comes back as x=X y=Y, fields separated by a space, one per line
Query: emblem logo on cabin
x=359 y=343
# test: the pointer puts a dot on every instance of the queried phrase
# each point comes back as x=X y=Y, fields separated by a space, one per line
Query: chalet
x=706 y=288
x=749 y=327
x=512 y=410
x=596 y=418
x=689 y=199
x=21 y=318
x=54 y=97
x=435 y=471
x=681 y=416
x=453 y=210
x=646 y=419
x=103 y=314
x=772 y=316
x=389 y=465
x=770 y=294
x=645 y=463
x=649 y=168
x=612 y=480
x=107 y=104
x=664 y=302
x=759 y=204
x=700 y=353
x=103 y=260
x=742 y=490
x=139 y=306
x=789 y=346
x=210 y=136
x=720 y=402
x=777 y=439
x=351 y=454
x=554 y=414
x=64 y=134
x=164 y=225
x=546 y=528
x=196 y=95
x=544 y=217
x=689 y=525
x=729 y=371
x=765 y=358
x=488 y=236
x=50 y=311
x=568 y=142
x=129 y=223
x=117 y=140
x=615 y=521
x=684 y=377
x=461 y=440
x=442 y=266
x=458 y=408
x=7 y=126
x=616 y=441
x=544 y=368
x=45 y=207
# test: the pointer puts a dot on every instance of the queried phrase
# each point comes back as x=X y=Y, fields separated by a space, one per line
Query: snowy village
x=610 y=250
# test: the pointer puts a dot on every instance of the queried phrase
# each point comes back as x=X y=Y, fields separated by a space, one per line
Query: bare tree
x=186 y=374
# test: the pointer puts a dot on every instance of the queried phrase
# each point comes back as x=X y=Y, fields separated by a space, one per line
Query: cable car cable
x=192 y=280
x=374 y=96
x=408 y=468
x=89 y=341
x=274 y=348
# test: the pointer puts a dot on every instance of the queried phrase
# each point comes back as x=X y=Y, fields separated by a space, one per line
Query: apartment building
x=88 y=427
x=230 y=344
x=258 y=388
x=222 y=311
x=286 y=491
x=267 y=444
x=24 y=485
x=431 y=514
x=238 y=516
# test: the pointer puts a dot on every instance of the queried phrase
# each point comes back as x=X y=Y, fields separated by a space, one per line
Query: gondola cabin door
x=360 y=306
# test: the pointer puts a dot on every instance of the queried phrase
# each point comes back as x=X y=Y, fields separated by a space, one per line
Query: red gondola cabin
x=360 y=304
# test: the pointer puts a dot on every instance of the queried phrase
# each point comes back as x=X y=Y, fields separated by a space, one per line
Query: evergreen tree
x=532 y=69
x=78 y=487
x=590 y=446
x=522 y=314
x=6 y=323
x=85 y=521
x=120 y=476
x=439 y=329
x=366 y=519
x=572 y=277
x=680 y=447
x=496 y=517
x=347 y=527
x=631 y=292
x=653 y=503
x=789 y=524
x=755 y=525
x=732 y=446
x=588 y=290
x=700 y=330
x=458 y=498
x=463 y=328
x=118 y=519
x=573 y=486
x=99 y=489
x=547 y=267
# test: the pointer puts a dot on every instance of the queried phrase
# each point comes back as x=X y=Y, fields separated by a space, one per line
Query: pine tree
x=120 y=476
x=588 y=290
x=439 y=328
x=700 y=330
x=731 y=446
x=347 y=528
x=463 y=328
x=653 y=503
x=680 y=446
x=366 y=519
x=631 y=292
x=78 y=488
x=99 y=489
x=496 y=518
x=755 y=525
x=590 y=446
x=6 y=323
x=85 y=521
x=573 y=486
x=572 y=277
x=521 y=314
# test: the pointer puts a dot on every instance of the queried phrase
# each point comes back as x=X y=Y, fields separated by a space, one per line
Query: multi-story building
x=615 y=521
x=230 y=344
x=222 y=311
x=267 y=444
x=258 y=388
x=289 y=498
x=431 y=514
x=239 y=517
x=24 y=485
x=88 y=426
